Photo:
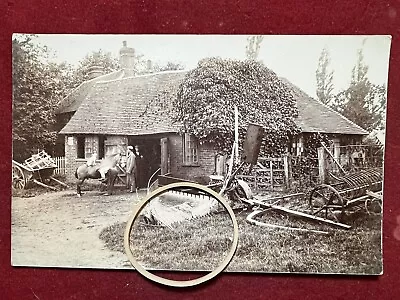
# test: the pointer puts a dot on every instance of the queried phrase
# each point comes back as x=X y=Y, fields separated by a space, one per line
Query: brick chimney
x=149 y=65
x=127 y=59
x=94 y=71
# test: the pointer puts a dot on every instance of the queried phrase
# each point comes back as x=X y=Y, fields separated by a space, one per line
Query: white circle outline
x=180 y=283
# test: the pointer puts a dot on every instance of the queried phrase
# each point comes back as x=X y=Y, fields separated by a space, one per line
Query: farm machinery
x=359 y=190
x=327 y=203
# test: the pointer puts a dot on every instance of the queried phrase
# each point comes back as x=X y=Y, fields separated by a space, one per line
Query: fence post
x=287 y=168
x=271 y=174
x=336 y=153
x=321 y=164
x=255 y=180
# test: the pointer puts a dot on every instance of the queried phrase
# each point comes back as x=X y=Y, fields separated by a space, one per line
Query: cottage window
x=90 y=146
x=190 y=150
x=86 y=146
x=80 y=147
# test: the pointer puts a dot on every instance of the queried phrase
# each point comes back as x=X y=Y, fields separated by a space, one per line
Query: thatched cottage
x=111 y=111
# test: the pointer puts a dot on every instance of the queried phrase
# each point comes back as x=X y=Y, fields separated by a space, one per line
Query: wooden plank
x=334 y=159
x=264 y=184
x=58 y=181
x=321 y=165
x=269 y=170
x=26 y=168
x=245 y=176
x=164 y=156
x=286 y=165
x=274 y=159
x=44 y=185
x=271 y=174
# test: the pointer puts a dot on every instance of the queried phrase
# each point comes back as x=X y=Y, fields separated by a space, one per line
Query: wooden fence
x=269 y=174
x=349 y=159
x=60 y=162
x=298 y=172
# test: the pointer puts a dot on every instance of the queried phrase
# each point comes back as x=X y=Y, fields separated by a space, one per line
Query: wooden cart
x=39 y=169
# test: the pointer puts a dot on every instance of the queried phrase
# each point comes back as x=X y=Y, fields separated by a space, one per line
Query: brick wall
x=71 y=160
x=198 y=173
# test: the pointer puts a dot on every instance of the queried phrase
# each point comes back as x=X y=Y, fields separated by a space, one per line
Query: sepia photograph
x=288 y=129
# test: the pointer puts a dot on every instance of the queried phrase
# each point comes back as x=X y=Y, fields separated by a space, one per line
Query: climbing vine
x=205 y=104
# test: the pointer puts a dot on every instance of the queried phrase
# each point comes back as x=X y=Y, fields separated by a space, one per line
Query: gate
x=269 y=174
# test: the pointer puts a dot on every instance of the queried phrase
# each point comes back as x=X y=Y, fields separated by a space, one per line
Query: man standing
x=139 y=174
x=131 y=169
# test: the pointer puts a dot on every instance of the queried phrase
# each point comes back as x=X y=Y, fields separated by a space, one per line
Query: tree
x=96 y=58
x=253 y=46
x=362 y=102
x=205 y=101
x=378 y=105
x=152 y=67
x=324 y=78
x=37 y=88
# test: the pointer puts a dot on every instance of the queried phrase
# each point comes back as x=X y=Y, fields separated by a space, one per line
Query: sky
x=292 y=57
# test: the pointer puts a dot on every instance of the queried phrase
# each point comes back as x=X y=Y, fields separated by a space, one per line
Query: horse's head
x=114 y=158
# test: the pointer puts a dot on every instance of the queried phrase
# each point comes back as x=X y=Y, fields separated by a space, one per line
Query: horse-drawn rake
x=352 y=191
x=327 y=203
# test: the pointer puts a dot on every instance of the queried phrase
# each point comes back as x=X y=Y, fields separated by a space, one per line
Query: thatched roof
x=72 y=101
x=314 y=116
x=108 y=105
x=122 y=106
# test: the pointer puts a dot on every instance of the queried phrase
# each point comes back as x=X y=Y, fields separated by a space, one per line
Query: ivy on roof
x=208 y=94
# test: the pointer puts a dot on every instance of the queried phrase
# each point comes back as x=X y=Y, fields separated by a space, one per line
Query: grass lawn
x=201 y=244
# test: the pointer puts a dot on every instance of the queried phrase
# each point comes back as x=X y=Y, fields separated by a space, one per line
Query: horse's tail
x=76 y=173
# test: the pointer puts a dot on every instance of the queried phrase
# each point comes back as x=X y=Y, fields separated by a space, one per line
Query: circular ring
x=180 y=283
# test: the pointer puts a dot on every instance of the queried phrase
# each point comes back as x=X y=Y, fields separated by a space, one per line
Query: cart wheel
x=325 y=201
x=18 y=181
x=373 y=205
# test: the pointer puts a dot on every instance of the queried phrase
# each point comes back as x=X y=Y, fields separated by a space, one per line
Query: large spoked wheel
x=18 y=180
x=326 y=202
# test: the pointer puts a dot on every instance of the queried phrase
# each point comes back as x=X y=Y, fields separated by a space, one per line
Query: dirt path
x=60 y=230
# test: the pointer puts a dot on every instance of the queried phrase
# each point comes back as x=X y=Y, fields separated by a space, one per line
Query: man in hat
x=131 y=169
x=139 y=168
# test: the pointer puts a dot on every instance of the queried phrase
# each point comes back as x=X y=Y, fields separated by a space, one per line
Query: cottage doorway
x=149 y=160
